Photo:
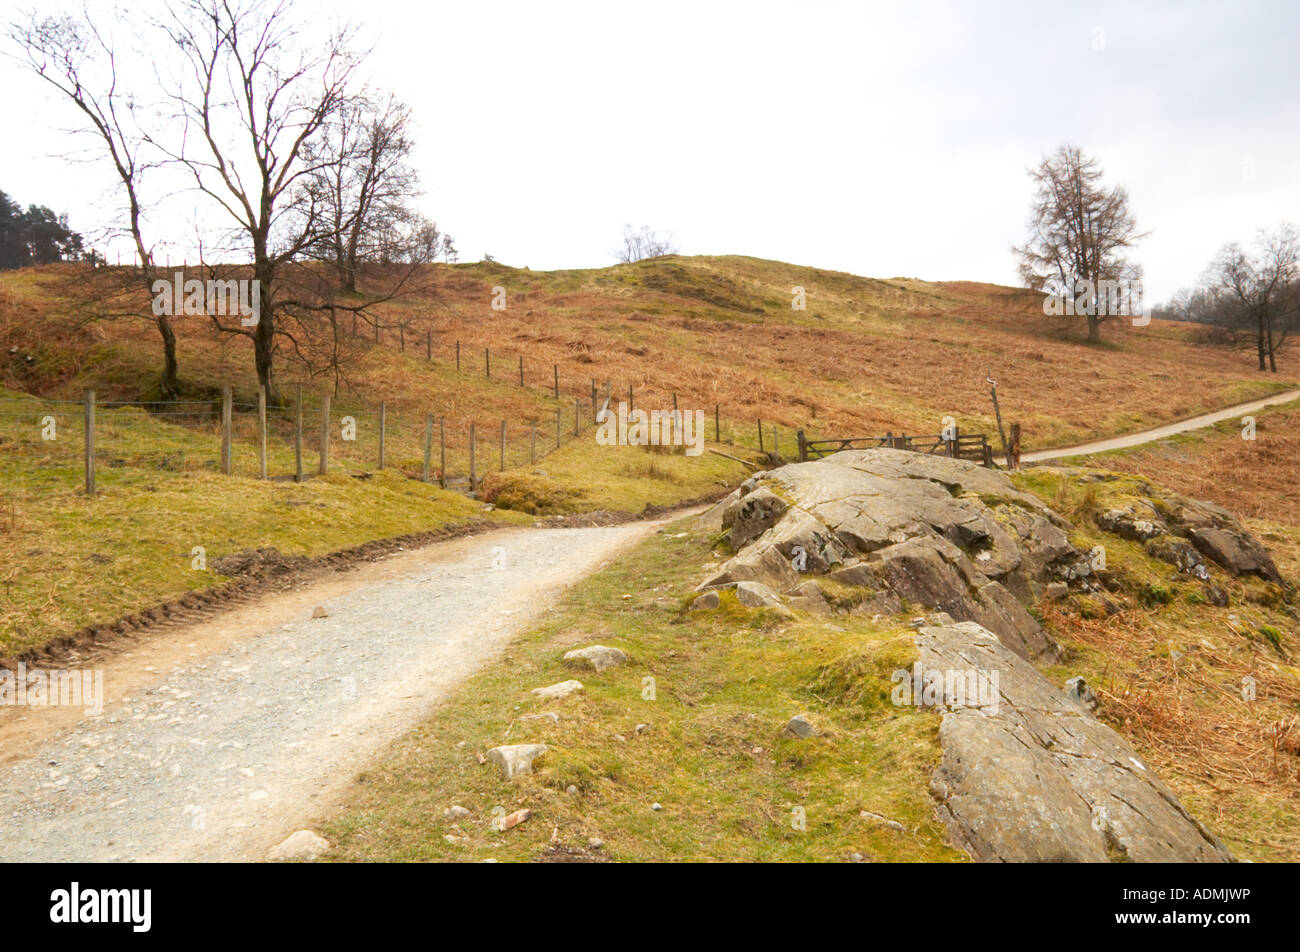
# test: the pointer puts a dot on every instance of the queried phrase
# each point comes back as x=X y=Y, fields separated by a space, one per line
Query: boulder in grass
x=599 y=657
x=562 y=689
x=515 y=760
x=800 y=728
x=709 y=600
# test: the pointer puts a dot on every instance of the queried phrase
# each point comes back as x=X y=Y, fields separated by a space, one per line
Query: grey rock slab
x=1040 y=779
x=946 y=534
x=1238 y=552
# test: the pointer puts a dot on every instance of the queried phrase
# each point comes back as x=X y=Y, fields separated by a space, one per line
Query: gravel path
x=238 y=731
x=1160 y=432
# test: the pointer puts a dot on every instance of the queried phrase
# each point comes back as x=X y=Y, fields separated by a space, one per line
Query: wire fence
x=50 y=446
x=45 y=449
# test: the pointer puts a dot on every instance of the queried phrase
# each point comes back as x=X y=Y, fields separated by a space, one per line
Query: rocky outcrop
x=1181 y=531
x=893 y=527
x=1034 y=777
x=1027 y=773
x=872 y=530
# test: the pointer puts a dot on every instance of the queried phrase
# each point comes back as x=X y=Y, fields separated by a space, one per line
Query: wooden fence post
x=261 y=431
x=383 y=427
x=457 y=356
x=1013 y=447
x=521 y=370
x=717 y=426
x=630 y=404
x=90 y=442
x=324 y=434
x=225 y=430
x=555 y=368
x=401 y=329
x=760 y=435
x=803 y=446
x=376 y=329
x=428 y=444
x=997 y=410
x=297 y=440
x=442 y=450
x=472 y=468
x=487 y=363
x=428 y=345
x=503 y=446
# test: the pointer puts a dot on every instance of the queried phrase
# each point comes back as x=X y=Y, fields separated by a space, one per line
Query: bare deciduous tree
x=81 y=62
x=363 y=185
x=1257 y=297
x=1080 y=232
x=644 y=242
x=251 y=95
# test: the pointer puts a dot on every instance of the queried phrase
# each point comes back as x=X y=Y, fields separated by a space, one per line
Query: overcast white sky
x=881 y=139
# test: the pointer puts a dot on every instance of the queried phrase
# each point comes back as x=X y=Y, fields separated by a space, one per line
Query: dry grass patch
x=1171 y=671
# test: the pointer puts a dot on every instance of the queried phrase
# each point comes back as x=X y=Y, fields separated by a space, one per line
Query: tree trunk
x=1094 y=329
x=263 y=350
x=170 y=385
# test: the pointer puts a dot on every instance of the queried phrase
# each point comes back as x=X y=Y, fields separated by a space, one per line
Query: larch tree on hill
x=1080 y=233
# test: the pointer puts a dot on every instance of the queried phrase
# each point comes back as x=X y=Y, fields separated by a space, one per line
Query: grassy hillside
x=864 y=356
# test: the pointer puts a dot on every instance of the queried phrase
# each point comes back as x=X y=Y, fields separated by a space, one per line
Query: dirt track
x=219 y=739
x=1160 y=432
